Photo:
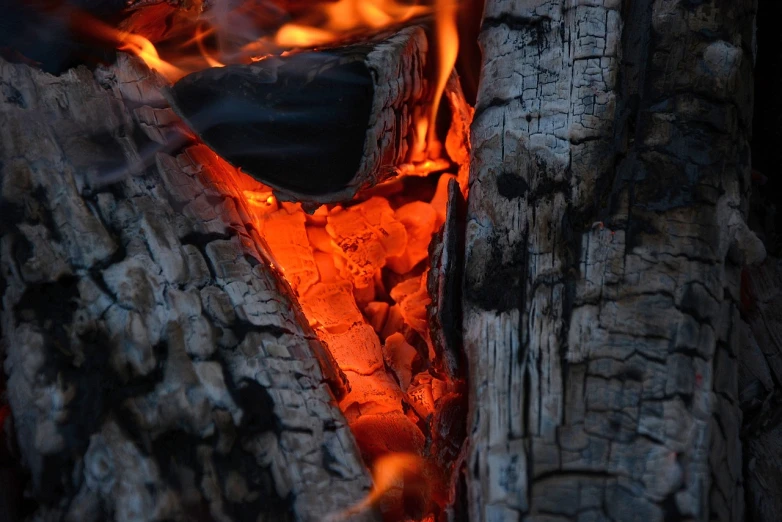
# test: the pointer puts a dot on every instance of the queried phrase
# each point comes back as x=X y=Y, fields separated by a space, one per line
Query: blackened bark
x=606 y=234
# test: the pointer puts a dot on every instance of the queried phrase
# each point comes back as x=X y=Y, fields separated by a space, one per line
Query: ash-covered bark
x=605 y=238
x=157 y=366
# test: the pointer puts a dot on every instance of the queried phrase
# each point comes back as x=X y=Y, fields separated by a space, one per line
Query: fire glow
x=359 y=269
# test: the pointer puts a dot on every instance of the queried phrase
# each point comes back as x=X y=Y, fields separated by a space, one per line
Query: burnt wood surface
x=605 y=239
x=317 y=126
x=157 y=366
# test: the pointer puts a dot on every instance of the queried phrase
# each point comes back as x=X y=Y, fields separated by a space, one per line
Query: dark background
x=766 y=220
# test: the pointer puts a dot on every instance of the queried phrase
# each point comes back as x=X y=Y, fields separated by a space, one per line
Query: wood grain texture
x=157 y=365
x=605 y=237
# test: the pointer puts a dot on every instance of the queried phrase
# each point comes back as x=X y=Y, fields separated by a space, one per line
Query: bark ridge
x=607 y=211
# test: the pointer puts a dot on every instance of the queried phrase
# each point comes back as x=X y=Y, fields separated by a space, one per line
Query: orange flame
x=144 y=49
x=325 y=23
x=388 y=474
x=125 y=41
x=199 y=36
x=447 y=39
x=426 y=145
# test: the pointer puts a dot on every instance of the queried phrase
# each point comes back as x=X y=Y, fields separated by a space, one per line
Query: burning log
x=758 y=389
x=317 y=126
x=157 y=365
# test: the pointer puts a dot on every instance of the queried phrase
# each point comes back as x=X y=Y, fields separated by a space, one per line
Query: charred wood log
x=158 y=367
x=602 y=261
x=317 y=126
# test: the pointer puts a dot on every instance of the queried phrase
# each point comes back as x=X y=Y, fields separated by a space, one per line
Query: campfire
x=261 y=260
x=341 y=130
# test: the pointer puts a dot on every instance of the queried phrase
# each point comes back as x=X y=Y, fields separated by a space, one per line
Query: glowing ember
x=360 y=275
